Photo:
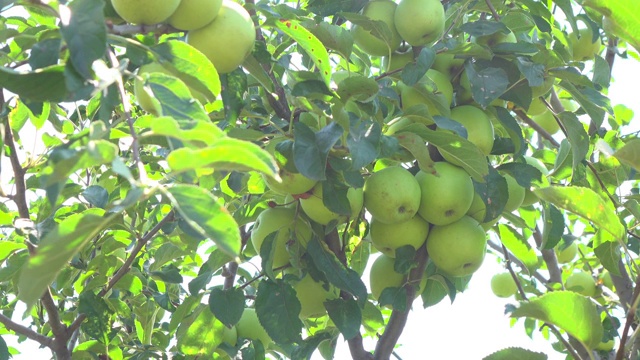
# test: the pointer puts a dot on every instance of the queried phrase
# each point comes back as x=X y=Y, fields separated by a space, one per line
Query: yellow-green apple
x=478 y=211
x=228 y=39
x=448 y=64
x=503 y=285
x=314 y=207
x=581 y=282
x=291 y=183
x=249 y=327
x=583 y=46
x=516 y=194
x=380 y=10
x=398 y=60
x=446 y=195
x=420 y=22
x=194 y=14
x=312 y=296
x=229 y=336
x=569 y=105
x=392 y=195
x=388 y=237
x=542 y=90
x=145 y=12
x=547 y=122
x=495 y=39
x=383 y=275
x=415 y=95
x=289 y=227
x=458 y=248
x=567 y=254
x=529 y=197
x=606 y=346
x=478 y=125
x=536 y=107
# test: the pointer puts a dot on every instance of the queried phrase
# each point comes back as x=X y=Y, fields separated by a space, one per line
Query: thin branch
x=549 y=257
x=542 y=132
x=19 y=198
x=631 y=316
x=23 y=330
x=612 y=50
x=493 y=10
x=517 y=261
x=398 y=319
x=231 y=268
x=515 y=277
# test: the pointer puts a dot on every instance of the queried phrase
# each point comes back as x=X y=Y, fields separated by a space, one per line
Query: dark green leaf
x=578 y=137
x=484 y=27
x=234 y=85
x=227 y=305
x=434 y=292
x=346 y=315
x=96 y=195
x=396 y=297
x=310 y=150
x=532 y=71
x=4 y=349
x=98 y=313
x=413 y=72
x=363 y=142
x=494 y=194
x=85 y=34
x=357 y=87
x=47 y=84
x=609 y=254
x=278 y=307
x=309 y=346
x=487 y=84
x=45 y=53
x=462 y=150
x=553 y=226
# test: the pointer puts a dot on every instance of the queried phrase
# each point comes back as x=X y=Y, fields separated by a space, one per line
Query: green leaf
x=56 y=250
x=310 y=43
x=609 y=255
x=518 y=245
x=234 y=85
x=621 y=18
x=227 y=305
x=358 y=87
x=278 y=308
x=462 y=150
x=224 y=154
x=487 y=84
x=342 y=277
x=334 y=37
x=513 y=129
x=85 y=34
x=629 y=153
x=413 y=72
x=173 y=97
x=346 y=315
x=98 y=323
x=363 y=142
x=200 y=333
x=417 y=147
x=309 y=345
x=553 y=226
x=192 y=66
x=434 y=291
x=193 y=133
x=203 y=213
x=577 y=136
x=46 y=84
x=572 y=312
x=4 y=350
x=516 y=353
x=591 y=100
x=586 y=203
x=310 y=150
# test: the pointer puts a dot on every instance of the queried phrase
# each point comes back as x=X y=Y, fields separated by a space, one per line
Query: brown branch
x=542 y=132
x=549 y=257
x=515 y=260
x=612 y=50
x=398 y=319
x=25 y=331
x=20 y=198
x=493 y=10
x=631 y=316
x=231 y=268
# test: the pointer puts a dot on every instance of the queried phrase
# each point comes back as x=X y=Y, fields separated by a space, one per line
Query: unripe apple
x=536 y=107
x=413 y=95
x=228 y=39
x=495 y=39
x=388 y=237
x=567 y=254
x=291 y=183
x=312 y=296
x=392 y=195
x=381 y=10
x=547 y=122
x=145 y=12
x=448 y=64
x=478 y=125
x=606 y=346
x=398 y=60
x=249 y=327
x=383 y=275
x=542 y=90
x=446 y=196
x=458 y=248
x=581 y=282
x=503 y=285
x=314 y=207
x=420 y=22
x=607 y=280
x=583 y=46
x=229 y=336
x=529 y=197
x=194 y=14
x=289 y=227
x=516 y=194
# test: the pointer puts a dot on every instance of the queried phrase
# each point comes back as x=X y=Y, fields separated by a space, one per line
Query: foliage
x=130 y=233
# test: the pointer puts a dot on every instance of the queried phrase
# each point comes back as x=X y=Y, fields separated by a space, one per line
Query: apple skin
x=392 y=195
x=381 y=10
x=581 y=282
x=412 y=96
x=316 y=211
x=458 y=248
x=312 y=296
x=607 y=280
x=478 y=125
x=227 y=40
x=567 y=254
x=284 y=220
x=388 y=237
x=516 y=194
x=229 y=336
x=445 y=196
x=194 y=14
x=448 y=64
x=495 y=39
x=503 y=285
x=537 y=107
x=249 y=327
x=582 y=46
x=543 y=90
x=292 y=183
x=529 y=197
x=420 y=22
x=145 y=12
x=547 y=122
x=398 y=60
x=606 y=346
x=383 y=275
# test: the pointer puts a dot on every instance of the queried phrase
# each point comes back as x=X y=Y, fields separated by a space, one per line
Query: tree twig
x=549 y=257
x=25 y=331
x=19 y=198
x=631 y=315
x=542 y=132
x=493 y=10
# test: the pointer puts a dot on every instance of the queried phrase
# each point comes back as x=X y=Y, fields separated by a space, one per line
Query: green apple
x=516 y=194
x=543 y=90
x=249 y=327
x=312 y=296
x=388 y=237
x=495 y=39
x=194 y=14
x=458 y=248
x=228 y=39
x=414 y=95
x=398 y=60
x=448 y=64
x=290 y=183
x=145 y=12
x=283 y=220
x=478 y=209
x=536 y=107
x=547 y=122
x=606 y=346
x=380 y=10
x=314 y=207
x=229 y=336
x=583 y=46
x=392 y=195
x=446 y=195
x=478 y=125
x=569 y=105
x=383 y=275
x=529 y=197
x=606 y=279
x=503 y=285
x=581 y=282
x=567 y=254
x=420 y=22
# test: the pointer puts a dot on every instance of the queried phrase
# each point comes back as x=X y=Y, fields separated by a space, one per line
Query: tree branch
x=542 y=132
x=515 y=260
x=631 y=315
x=549 y=257
x=19 y=198
x=23 y=330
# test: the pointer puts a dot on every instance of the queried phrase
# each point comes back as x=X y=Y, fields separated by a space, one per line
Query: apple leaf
x=413 y=72
x=199 y=333
x=334 y=37
x=516 y=353
x=630 y=153
x=227 y=305
x=621 y=18
x=363 y=142
x=309 y=345
x=577 y=136
x=585 y=203
x=278 y=309
x=513 y=129
x=516 y=243
x=591 y=100
x=418 y=148
x=572 y=312
x=46 y=84
x=85 y=34
x=173 y=98
x=466 y=153
x=347 y=316
x=310 y=43
x=234 y=85
x=434 y=291
x=358 y=87
x=310 y=150
x=609 y=255
x=394 y=296
x=487 y=84
x=190 y=133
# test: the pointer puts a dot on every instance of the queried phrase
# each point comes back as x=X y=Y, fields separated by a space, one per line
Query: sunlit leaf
x=630 y=153
x=310 y=43
x=516 y=353
x=200 y=333
x=278 y=309
x=621 y=18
